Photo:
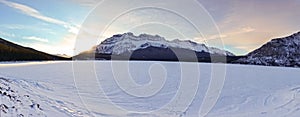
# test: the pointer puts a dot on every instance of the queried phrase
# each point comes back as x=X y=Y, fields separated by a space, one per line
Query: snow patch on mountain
x=128 y=42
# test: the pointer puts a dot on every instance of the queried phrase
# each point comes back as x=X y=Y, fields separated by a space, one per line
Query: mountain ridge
x=284 y=51
x=119 y=43
x=127 y=46
x=13 y=52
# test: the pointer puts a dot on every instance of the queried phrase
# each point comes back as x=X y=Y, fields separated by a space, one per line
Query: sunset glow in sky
x=52 y=25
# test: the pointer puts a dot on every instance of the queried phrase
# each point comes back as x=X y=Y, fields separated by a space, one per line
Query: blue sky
x=52 y=26
x=41 y=24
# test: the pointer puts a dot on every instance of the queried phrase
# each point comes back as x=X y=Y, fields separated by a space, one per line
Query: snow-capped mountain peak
x=128 y=42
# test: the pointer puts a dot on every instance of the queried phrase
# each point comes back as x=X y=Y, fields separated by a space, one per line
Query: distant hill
x=278 y=52
x=14 y=52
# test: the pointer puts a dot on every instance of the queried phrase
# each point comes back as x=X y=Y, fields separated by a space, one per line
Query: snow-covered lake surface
x=103 y=88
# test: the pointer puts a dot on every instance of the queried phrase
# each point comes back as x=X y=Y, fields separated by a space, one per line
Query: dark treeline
x=13 y=52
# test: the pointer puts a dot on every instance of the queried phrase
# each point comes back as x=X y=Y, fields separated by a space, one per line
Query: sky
x=56 y=26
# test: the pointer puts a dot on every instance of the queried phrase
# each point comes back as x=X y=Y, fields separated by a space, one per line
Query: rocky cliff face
x=128 y=42
x=154 y=48
x=278 y=52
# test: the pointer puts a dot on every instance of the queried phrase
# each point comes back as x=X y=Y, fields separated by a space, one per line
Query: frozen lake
x=138 y=88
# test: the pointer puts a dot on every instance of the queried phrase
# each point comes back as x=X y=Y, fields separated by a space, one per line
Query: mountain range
x=277 y=52
x=127 y=46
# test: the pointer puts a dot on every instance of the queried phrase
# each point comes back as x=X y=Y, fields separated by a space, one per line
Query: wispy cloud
x=246 y=25
x=73 y=29
x=87 y=3
x=225 y=35
x=15 y=27
x=12 y=26
x=27 y=10
x=36 y=39
x=6 y=35
x=32 y=12
x=65 y=46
